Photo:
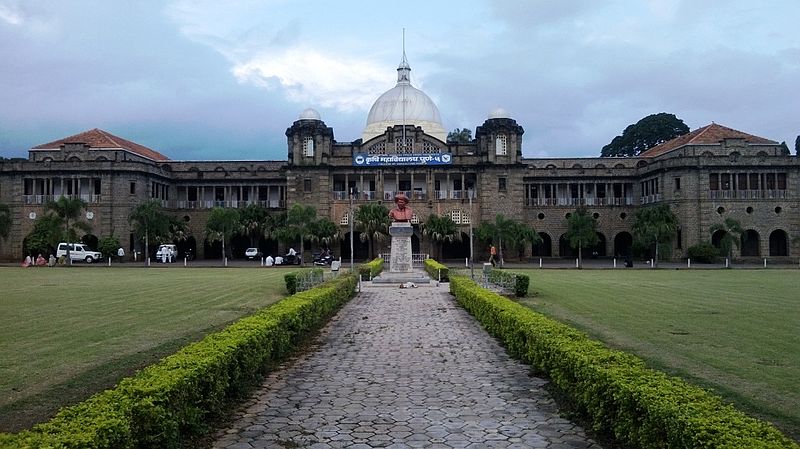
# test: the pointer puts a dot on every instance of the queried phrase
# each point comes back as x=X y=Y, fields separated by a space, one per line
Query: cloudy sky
x=217 y=79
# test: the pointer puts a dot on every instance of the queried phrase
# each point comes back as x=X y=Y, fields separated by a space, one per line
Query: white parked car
x=167 y=253
x=253 y=253
x=78 y=251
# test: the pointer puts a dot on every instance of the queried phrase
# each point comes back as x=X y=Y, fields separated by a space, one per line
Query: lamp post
x=350 y=220
x=471 y=254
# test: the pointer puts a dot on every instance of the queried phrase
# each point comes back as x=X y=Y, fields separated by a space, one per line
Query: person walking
x=493 y=255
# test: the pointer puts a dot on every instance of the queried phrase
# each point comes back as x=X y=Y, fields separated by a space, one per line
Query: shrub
x=520 y=281
x=619 y=395
x=167 y=402
x=435 y=269
x=703 y=253
x=370 y=269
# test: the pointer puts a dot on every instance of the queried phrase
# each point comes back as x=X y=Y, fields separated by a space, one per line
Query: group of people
x=39 y=261
x=279 y=260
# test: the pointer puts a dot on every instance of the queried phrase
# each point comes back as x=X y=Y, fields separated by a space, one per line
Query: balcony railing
x=572 y=202
x=648 y=199
x=42 y=199
x=341 y=195
x=746 y=194
x=231 y=204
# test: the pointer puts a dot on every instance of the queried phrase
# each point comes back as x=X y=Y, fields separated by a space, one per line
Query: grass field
x=68 y=332
x=734 y=331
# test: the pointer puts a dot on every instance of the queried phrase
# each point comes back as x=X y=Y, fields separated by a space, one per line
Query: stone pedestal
x=400 y=256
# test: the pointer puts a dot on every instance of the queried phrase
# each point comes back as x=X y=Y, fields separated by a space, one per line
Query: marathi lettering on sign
x=380 y=160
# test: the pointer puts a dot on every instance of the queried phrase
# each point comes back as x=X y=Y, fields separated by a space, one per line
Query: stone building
x=705 y=176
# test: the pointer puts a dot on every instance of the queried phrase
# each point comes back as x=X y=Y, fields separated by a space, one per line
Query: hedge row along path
x=403 y=368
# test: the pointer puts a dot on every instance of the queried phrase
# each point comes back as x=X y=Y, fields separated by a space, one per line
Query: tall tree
x=5 y=220
x=149 y=219
x=253 y=222
x=502 y=229
x=654 y=226
x=645 y=134
x=46 y=234
x=439 y=230
x=300 y=220
x=325 y=231
x=581 y=231
x=732 y=234
x=459 y=135
x=221 y=225
x=68 y=210
x=372 y=220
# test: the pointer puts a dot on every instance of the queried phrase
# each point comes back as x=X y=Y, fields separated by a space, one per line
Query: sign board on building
x=383 y=160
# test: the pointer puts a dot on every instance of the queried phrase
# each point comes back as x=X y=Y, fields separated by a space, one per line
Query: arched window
x=500 y=145
x=308 y=146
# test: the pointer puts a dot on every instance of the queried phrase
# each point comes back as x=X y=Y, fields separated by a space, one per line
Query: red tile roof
x=709 y=134
x=97 y=138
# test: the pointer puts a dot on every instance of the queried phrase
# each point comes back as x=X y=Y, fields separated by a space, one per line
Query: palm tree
x=732 y=234
x=68 y=210
x=439 y=230
x=221 y=224
x=655 y=225
x=253 y=222
x=372 y=220
x=502 y=229
x=522 y=235
x=581 y=231
x=299 y=225
x=325 y=231
x=148 y=219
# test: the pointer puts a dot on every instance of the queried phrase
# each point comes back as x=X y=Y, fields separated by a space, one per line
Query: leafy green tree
x=372 y=220
x=149 y=219
x=300 y=225
x=45 y=235
x=732 y=234
x=5 y=220
x=325 y=231
x=221 y=225
x=645 y=134
x=459 y=135
x=253 y=222
x=108 y=246
x=501 y=230
x=439 y=230
x=654 y=226
x=581 y=231
x=68 y=210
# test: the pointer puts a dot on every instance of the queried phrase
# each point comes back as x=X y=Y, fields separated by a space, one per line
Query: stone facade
x=716 y=173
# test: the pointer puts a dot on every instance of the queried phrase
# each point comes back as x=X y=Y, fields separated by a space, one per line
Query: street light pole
x=350 y=220
x=471 y=254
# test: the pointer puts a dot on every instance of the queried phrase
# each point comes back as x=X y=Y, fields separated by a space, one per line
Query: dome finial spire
x=404 y=70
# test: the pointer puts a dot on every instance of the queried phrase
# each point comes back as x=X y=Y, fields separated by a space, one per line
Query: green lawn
x=68 y=332
x=735 y=331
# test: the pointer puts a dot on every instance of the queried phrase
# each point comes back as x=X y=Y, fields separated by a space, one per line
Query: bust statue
x=401 y=212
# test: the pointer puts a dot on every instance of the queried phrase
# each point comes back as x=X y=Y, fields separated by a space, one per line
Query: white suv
x=78 y=251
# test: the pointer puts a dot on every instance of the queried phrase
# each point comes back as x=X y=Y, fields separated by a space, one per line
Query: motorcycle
x=323 y=259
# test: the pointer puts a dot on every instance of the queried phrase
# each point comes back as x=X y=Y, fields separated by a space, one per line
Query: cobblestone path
x=403 y=368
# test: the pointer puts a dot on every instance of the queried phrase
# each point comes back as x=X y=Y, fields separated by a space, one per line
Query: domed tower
x=309 y=139
x=499 y=139
x=404 y=104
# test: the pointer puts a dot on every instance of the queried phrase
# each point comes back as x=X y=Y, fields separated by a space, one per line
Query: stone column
x=400 y=256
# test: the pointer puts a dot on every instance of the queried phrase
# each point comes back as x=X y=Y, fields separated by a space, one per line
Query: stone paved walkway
x=403 y=368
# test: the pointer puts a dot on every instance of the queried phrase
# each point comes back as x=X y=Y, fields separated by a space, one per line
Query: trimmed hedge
x=290 y=279
x=167 y=402
x=619 y=395
x=521 y=281
x=434 y=268
x=370 y=269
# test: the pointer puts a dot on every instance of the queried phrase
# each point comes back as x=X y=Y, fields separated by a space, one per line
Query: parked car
x=78 y=251
x=167 y=253
x=253 y=253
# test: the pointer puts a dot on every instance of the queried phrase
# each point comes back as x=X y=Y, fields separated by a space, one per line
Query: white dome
x=499 y=113
x=309 y=114
x=404 y=103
